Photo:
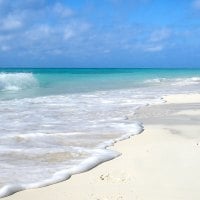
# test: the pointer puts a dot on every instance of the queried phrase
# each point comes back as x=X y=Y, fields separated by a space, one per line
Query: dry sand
x=162 y=163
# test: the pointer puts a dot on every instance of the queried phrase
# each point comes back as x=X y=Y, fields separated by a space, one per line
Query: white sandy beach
x=162 y=163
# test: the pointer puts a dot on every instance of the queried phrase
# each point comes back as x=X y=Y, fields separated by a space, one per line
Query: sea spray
x=17 y=81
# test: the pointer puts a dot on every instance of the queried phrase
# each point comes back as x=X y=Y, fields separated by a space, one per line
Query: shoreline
x=142 y=169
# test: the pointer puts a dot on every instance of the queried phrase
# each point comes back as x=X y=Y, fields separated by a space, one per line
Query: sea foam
x=61 y=135
x=98 y=155
x=46 y=139
x=174 y=81
x=16 y=81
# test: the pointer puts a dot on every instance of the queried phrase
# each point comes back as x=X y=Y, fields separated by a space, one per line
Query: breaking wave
x=17 y=81
x=175 y=81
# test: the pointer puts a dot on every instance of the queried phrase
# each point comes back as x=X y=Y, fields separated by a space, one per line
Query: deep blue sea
x=58 y=122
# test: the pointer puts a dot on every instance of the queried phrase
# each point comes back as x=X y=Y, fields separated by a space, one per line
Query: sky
x=100 y=33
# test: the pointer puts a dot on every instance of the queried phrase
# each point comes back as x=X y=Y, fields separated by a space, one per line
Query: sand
x=162 y=163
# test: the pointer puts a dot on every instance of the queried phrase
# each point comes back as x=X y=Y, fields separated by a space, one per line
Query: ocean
x=58 y=122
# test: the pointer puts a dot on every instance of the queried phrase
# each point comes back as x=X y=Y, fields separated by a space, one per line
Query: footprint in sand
x=117 y=178
x=117 y=198
x=104 y=177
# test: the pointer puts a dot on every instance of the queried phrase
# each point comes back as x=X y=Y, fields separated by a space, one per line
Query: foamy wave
x=99 y=155
x=50 y=133
x=16 y=81
x=155 y=80
x=186 y=81
x=175 y=81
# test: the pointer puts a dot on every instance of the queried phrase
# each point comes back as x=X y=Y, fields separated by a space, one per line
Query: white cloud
x=38 y=33
x=62 y=10
x=196 y=4
x=75 y=29
x=157 y=40
x=4 y=38
x=56 y=52
x=69 y=33
x=5 y=48
x=27 y=23
x=106 y=51
x=10 y=23
x=155 y=48
x=160 y=35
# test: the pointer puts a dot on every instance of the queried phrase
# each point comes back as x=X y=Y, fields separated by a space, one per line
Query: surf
x=17 y=81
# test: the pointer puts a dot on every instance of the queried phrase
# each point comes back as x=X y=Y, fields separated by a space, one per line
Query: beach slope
x=161 y=163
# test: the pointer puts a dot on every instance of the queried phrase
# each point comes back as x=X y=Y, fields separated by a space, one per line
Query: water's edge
x=100 y=156
x=96 y=102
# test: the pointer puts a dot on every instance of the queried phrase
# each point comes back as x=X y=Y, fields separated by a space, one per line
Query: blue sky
x=100 y=33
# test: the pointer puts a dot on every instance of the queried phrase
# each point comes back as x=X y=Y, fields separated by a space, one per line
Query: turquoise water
x=62 y=81
x=58 y=122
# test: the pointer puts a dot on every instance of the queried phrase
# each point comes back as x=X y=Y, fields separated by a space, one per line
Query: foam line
x=98 y=156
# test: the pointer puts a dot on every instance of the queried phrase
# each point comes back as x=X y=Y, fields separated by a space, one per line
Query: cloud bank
x=87 y=33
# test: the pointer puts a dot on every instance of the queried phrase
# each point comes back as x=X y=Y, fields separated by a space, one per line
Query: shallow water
x=57 y=122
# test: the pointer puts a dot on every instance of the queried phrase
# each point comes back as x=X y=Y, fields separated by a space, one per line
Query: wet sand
x=161 y=163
